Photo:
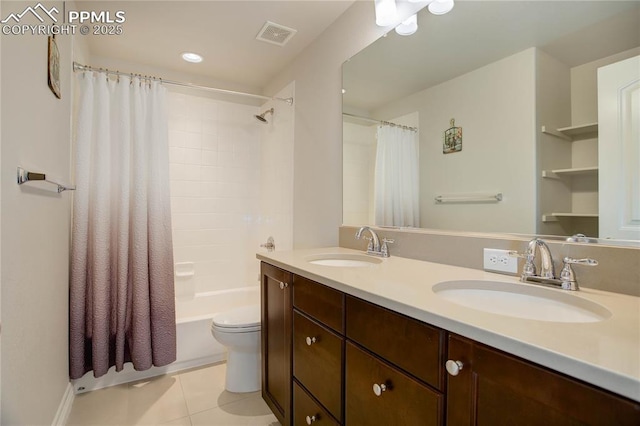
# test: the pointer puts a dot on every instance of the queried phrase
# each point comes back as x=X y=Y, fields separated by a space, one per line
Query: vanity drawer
x=405 y=401
x=317 y=364
x=408 y=343
x=304 y=406
x=319 y=301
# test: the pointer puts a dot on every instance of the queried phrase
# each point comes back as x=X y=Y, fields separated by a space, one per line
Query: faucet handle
x=568 y=277
x=572 y=261
x=369 y=244
x=385 y=246
x=529 y=268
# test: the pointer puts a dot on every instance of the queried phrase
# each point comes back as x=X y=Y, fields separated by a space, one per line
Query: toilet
x=239 y=330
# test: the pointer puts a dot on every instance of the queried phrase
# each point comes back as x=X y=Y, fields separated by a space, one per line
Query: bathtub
x=196 y=345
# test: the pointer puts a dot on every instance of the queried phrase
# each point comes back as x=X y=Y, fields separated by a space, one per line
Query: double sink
x=510 y=299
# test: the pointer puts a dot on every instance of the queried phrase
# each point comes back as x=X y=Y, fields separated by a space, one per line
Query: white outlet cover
x=496 y=260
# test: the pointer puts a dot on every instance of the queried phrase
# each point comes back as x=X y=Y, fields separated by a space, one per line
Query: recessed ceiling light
x=192 y=57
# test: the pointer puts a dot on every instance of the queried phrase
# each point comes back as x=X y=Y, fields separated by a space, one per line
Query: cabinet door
x=306 y=411
x=319 y=302
x=317 y=361
x=417 y=347
x=494 y=388
x=276 y=341
x=396 y=399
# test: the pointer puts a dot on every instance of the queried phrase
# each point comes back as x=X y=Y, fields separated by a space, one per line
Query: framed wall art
x=53 y=72
x=452 y=138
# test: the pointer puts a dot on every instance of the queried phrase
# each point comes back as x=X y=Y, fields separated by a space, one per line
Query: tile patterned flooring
x=191 y=398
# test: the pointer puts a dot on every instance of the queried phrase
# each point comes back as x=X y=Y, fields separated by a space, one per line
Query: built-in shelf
x=584 y=129
x=555 y=217
x=557 y=173
x=573 y=132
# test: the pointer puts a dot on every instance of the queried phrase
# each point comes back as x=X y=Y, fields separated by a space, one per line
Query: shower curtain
x=396 y=185
x=122 y=305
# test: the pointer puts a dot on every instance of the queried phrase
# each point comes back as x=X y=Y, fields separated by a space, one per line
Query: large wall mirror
x=490 y=119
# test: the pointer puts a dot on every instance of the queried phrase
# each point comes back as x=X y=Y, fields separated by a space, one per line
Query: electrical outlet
x=496 y=260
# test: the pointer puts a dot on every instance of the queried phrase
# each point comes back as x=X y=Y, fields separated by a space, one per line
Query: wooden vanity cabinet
x=317 y=361
x=494 y=388
x=394 y=369
x=412 y=345
x=307 y=410
x=318 y=348
x=377 y=393
x=372 y=366
x=276 y=315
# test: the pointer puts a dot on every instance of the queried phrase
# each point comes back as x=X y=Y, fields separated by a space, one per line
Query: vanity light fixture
x=440 y=7
x=408 y=26
x=192 y=57
x=386 y=12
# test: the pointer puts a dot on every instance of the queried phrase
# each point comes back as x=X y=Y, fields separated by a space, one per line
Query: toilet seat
x=244 y=319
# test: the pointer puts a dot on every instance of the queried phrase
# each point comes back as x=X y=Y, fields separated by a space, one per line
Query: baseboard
x=64 y=409
x=89 y=383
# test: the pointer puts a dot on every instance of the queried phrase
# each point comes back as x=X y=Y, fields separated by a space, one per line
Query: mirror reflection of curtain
x=396 y=177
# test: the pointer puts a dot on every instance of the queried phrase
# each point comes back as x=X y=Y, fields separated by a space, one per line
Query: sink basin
x=344 y=260
x=521 y=301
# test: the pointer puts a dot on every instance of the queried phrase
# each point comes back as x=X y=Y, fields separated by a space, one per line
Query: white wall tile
x=215 y=180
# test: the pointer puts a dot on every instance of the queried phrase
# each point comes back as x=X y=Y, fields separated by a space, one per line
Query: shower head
x=261 y=116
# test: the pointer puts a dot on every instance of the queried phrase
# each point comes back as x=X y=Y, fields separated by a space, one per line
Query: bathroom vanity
x=375 y=344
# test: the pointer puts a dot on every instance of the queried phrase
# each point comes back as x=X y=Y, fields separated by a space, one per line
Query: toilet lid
x=242 y=317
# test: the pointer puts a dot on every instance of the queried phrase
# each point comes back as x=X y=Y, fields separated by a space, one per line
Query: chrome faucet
x=374 y=247
x=547 y=276
x=547 y=270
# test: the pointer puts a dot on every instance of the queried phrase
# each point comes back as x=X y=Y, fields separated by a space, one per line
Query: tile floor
x=192 y=398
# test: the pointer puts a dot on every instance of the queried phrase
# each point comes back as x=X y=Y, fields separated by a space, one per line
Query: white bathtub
x=196 y=345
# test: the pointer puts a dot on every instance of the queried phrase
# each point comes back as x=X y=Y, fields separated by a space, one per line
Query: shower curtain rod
x=387 y=123
x=79 y=67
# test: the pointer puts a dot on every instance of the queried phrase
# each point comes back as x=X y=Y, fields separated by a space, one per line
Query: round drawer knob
x=283 y=285
x=310 y=340
x=310 y=419
x=379 y=388
x=453 y=367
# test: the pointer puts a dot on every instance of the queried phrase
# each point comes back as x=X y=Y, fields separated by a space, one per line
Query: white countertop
x=605 y=353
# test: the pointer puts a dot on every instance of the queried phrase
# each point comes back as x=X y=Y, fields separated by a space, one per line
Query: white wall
x=276 y=176
x=317 y=72
x=215 y=155
x=359 y=158
x=35 y=229
x=495 y=106
x=584 y=87
x=553 y=110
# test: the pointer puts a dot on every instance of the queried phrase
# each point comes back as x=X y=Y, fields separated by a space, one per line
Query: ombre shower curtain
x=122 y=306
x=396 y=183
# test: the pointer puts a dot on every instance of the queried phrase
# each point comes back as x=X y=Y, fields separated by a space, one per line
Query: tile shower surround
x=214 y=158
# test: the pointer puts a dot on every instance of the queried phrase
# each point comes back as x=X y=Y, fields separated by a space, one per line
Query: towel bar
x=469 y=198
x=27 y=176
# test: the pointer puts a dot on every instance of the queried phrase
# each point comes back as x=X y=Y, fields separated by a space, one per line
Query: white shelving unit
x=555 y=217
x=571 y=134
x=558 y=173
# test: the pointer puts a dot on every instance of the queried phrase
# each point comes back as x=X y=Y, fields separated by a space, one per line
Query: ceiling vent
x=275 y=33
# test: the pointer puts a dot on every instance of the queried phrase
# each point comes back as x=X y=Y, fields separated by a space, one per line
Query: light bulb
x=409 y=26
x=192 y=57
x=440 y=7
x=386 y=12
